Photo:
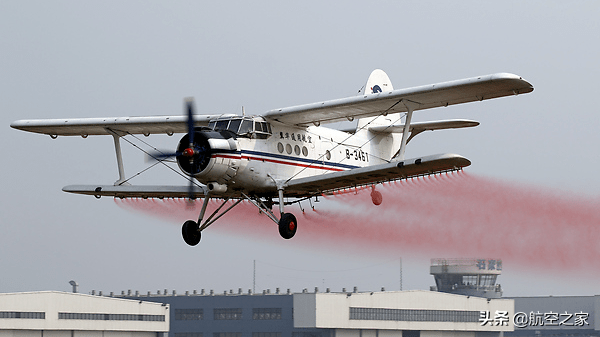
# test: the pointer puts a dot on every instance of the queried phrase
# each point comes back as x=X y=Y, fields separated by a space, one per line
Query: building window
x=110 y=317
x=188 y=334
x=189 y=314
x=266 y=334
x=266 y=313
x=306 y=334
x=469 y=280
x=411 y=333
x=229 y=313
x=413 y=315
x=227 y=334
x=487 y=280
x=21 y=314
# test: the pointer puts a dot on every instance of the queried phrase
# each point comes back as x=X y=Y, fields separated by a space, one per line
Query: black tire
x=191 y=233
x=287 y=226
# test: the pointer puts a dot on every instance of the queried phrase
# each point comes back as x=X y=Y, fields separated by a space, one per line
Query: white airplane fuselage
x=258 y=165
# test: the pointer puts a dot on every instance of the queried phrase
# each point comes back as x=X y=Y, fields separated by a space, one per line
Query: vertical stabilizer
x=377 y=82
x=380 y=145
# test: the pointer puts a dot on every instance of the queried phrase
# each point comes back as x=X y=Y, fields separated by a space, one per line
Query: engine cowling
x=215 y=156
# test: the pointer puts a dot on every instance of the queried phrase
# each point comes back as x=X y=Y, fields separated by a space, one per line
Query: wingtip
x=17 y=124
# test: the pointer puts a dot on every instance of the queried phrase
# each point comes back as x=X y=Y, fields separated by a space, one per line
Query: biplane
x=288 y=155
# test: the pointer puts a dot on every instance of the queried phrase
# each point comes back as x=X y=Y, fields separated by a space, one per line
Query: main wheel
x=287 y=225
x=191 y=233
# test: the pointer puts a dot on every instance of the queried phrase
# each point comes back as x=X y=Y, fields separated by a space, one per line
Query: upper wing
x=101 y=126
x=427 y=96
x=329 y=182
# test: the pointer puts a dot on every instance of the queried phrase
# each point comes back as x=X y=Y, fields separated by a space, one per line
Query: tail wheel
x=191 y=233
x=287 y=225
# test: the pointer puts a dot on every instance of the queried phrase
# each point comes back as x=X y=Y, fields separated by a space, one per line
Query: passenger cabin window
x=249 y=127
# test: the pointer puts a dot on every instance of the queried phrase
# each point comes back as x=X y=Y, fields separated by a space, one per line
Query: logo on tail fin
x=376 y=89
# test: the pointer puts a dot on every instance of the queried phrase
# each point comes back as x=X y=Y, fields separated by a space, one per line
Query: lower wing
x=300 y=188
x=396 y=170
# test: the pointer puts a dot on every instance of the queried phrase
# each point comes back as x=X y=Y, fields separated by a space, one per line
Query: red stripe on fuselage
x=320 y=167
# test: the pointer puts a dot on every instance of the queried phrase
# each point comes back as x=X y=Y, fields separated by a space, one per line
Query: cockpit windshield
x=249 y=127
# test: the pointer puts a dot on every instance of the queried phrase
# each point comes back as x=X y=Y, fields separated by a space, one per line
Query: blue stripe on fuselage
x=296 y=159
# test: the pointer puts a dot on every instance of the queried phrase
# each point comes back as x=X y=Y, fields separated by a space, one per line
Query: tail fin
x=378 y=82
x=380 y=145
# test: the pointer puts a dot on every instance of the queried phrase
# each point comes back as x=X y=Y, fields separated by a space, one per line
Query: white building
x=60 y=314
x=412 y=313
x=415 y=313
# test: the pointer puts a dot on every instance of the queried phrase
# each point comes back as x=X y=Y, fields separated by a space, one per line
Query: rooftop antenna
x=400 y=274
x=243 y=111
x=75 y=285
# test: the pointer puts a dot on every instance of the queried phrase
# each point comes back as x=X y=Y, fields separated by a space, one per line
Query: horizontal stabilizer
x=395 y=170
x=425 y=126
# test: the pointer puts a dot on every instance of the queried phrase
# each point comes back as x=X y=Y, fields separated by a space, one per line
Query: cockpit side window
x=261 y=130
x=234 y=125
x=245 y=128
x=222 y=125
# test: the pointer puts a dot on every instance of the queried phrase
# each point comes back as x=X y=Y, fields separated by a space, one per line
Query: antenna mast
x=400 y=273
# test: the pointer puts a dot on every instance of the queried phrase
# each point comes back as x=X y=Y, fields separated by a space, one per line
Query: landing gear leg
x=190 y=230
x=287 y=222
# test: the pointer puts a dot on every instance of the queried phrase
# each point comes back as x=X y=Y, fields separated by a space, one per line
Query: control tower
x=470 y=277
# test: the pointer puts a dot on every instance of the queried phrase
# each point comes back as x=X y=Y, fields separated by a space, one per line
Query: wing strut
x=117 y=139
x=410 y=106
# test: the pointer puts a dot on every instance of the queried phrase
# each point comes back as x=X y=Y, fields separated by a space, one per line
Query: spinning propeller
x=193 y=151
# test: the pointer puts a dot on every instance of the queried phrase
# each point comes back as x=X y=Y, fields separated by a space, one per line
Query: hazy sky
x=121 y=58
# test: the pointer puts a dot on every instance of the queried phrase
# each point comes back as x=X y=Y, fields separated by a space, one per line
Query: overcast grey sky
x=120 y=58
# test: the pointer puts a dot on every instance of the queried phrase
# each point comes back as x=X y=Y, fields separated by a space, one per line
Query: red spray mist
x=455 y=214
